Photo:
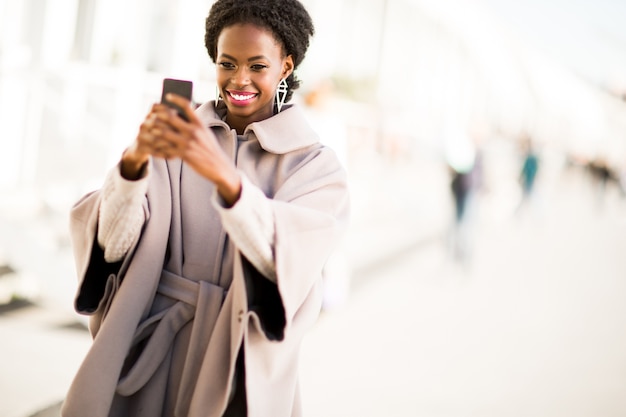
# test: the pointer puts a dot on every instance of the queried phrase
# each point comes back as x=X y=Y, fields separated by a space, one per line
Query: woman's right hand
x=137 y=155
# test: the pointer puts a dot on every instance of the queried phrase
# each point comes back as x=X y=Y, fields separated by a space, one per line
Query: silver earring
x=218 y=97
x=281 y=94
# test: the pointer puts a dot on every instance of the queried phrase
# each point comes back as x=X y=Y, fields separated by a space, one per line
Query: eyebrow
x=254 y=58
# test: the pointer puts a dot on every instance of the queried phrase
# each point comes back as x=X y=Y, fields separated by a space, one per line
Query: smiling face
x=250 y=64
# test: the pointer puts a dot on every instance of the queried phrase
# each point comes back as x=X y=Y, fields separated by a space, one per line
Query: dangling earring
x=281 y=94
x=218 y=97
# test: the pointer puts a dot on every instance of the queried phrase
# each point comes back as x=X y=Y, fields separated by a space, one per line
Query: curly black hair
x=288 y=20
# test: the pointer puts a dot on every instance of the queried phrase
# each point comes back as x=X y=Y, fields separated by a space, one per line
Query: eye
x=226 y=65
x=258 y=67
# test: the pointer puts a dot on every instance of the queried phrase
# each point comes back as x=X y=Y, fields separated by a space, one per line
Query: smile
x=241 y=98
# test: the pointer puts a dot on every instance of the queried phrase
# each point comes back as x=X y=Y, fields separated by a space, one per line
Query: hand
x=164 y=134
x=137 y=155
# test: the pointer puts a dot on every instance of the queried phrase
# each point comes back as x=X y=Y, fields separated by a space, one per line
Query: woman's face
x=250 y=64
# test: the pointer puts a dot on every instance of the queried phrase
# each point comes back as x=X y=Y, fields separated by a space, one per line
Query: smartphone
x=180 y=87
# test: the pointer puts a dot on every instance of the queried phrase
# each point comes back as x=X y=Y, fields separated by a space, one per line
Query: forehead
x=247 y=37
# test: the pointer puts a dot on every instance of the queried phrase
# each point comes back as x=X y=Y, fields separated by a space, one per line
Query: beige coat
x=168 y=321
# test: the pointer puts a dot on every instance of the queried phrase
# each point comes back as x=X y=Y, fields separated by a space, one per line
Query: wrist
x=230 y=189
x=133 y=167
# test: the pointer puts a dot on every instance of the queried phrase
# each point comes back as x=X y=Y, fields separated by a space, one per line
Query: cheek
x=221 y=78
x=268 y=84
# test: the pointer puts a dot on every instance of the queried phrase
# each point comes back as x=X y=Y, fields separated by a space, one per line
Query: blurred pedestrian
x=466 y=170
x=528 y=172
x=601 y=175
x=200 y=259
x=464 y=186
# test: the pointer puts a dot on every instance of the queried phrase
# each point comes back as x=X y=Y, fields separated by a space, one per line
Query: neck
x=240 y=123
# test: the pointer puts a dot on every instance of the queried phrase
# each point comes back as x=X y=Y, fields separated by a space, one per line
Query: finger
x=151 y=134
x=148 y=123
x=169 y=117
x=165 y=150
x=171 y=139
x=152 y=109
x=160 y=146
x=184 y=104
x=145 y=139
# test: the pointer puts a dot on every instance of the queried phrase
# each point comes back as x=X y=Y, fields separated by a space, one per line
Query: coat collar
x=282 y=133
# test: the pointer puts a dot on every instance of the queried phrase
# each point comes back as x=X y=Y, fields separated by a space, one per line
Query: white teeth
x=242 y=98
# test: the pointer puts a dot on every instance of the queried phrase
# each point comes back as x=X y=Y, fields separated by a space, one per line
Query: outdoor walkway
x=535 y=326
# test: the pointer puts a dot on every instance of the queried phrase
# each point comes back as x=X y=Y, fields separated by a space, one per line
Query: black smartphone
x=182 y=88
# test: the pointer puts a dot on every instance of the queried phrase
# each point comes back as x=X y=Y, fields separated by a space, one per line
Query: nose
x=241 y=76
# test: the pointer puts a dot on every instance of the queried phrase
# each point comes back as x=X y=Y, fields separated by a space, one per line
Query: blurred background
x=485 y=142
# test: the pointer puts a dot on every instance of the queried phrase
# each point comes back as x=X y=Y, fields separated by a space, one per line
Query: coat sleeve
x=310 y=212
x=98 y=280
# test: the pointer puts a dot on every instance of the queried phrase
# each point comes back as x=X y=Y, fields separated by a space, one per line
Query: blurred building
x=77 y=76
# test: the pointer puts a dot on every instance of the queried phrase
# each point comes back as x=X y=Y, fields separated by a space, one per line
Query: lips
x=241 y=98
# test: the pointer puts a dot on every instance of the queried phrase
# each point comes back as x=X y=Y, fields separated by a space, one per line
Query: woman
x=200 y=259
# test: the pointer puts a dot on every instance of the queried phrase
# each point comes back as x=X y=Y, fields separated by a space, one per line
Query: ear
x=288 y=66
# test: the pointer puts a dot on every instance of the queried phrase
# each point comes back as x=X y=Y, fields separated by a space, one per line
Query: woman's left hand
x=195 y=144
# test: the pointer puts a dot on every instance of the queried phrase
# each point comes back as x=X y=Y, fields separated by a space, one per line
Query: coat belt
x=162 y=328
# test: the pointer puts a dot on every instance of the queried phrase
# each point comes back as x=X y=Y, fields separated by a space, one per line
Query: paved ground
x=533 y=326
x=41 y=349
